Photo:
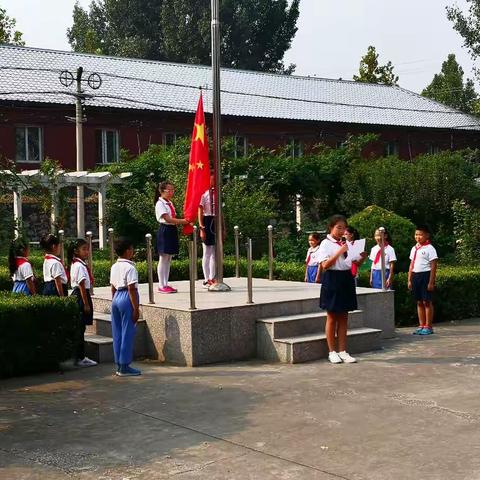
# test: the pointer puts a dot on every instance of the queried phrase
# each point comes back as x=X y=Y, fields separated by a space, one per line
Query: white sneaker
x=86 y=362
x=334 y=357
x=346 y=358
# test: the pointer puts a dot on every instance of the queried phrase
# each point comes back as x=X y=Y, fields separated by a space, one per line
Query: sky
x=332 y=35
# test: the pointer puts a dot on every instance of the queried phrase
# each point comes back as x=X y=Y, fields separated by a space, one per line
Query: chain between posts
x=151 y=298
x=90 y=255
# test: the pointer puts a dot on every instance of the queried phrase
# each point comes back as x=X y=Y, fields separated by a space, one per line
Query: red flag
x=198 y=181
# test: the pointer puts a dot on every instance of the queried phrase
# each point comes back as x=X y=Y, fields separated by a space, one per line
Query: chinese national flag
x=198 y=181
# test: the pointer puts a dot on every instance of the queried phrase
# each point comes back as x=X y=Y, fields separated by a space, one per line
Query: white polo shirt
x=425 y=254
x=328 y=248
x=206 y=202
x=53 y=268
x=164 y=207
x=123 y=274
x=313 y=255
x=78 y=273
x=389 y=256
x=23 y=272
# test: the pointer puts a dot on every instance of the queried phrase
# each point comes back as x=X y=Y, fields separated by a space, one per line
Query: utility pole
x=219 y=285
x=79 y=135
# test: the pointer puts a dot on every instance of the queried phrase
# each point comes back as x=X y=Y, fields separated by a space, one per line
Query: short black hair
x=121 y=245
x=49 y=241
x=423 y=228
x=333 y=220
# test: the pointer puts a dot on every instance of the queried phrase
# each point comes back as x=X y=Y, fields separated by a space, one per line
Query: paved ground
x=410 y=411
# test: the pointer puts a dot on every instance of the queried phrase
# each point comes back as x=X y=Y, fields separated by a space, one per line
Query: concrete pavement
x=410 y=411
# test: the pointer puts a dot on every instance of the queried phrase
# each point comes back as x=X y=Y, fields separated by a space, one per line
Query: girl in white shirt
x=20 y=268
x=81 y=280
x=54 y=273
x=375 y=257
x=167 y=235
x=312 y=269
x=337 y=294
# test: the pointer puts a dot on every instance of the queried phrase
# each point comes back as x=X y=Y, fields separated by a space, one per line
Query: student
x=352 y=235
x=81 y=280
x=206 y=223
x=312 y=270
x=337 y=295
x=125 y=307
x=421 y=278
x=376 y=258
x=54 y=273
x=20 y=268
x=167 y=235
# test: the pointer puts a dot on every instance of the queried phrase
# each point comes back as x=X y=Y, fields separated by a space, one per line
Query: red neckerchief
x=379 y=254
x=173 y=214
x=19 y=261
x=53 y=257
x=417 y=248
x=309 y=256
x=338 y=242
x=90 y=275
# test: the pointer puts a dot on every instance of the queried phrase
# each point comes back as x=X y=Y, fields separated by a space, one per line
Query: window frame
x=244 y=146
x=40 y=144
x=104 y=146
x=293 y=143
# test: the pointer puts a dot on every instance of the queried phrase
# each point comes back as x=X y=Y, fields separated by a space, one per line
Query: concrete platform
x=223 y=327
x=408 y=412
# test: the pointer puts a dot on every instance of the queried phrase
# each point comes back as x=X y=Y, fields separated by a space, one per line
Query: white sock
x=208 y=262
x=163 y=269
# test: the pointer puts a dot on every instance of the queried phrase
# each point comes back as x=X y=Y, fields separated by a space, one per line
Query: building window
x=169 y=139
x=392 y=148
x=295 y=148
x=29 y=144
x=241 y=146
x=433 y=149
x=108 y=146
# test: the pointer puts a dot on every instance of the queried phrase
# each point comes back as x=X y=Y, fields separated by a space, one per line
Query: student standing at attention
x=81 y=280
x=125 y=307
x=206 y=222
x=54 y=273
x=352 y=235
x=167 y=235
x=312 y=269
x=376 y=258
x=421 y=278
x=20 y=268
x=337 y=294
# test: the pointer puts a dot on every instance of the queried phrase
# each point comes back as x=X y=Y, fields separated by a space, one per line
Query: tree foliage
x=371 y=72
x=449 y=88
x=255 y=33
x=8 y=34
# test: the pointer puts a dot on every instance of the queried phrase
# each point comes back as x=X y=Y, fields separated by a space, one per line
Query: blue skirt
x=312 y=273
x=337 y=293
x=167 y=239
x=50 y=290
x=85 y=319
x=20 y=286
x=377 y=278
x=209 y=221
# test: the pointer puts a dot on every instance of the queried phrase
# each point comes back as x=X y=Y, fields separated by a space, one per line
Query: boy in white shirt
x=125 y=307
x=421 y=278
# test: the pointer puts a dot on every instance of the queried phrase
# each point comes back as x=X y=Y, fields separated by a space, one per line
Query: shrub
x=401 y=230
x=467 y=232
x=37 y=332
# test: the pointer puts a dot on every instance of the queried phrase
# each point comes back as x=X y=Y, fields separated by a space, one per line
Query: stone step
x=99 y=348
x=305 y=348
x=302 y=324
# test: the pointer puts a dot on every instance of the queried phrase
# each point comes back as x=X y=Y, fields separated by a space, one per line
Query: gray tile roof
x=32 y=75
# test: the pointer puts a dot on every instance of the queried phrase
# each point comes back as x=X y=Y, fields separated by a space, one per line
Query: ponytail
x=48 y=242
x=73 y=247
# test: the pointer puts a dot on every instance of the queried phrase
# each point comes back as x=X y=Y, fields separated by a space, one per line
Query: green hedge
x=37 y=332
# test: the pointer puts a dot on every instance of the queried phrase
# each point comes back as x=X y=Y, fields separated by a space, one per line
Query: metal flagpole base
x=219 y=287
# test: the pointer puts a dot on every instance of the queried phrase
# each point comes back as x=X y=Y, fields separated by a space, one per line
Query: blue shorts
x=420 y=291
x=312 y=273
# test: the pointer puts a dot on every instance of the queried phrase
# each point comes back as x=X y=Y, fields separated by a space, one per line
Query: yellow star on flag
x=200 y=165
x=191 y=167
x=200 y=133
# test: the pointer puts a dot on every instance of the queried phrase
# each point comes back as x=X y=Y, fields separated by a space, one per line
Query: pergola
x=96 y=181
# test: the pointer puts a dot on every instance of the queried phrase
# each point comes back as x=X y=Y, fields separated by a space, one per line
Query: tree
x=255 y=33
x=449 y=88
x=8 y=34
x=371 y=72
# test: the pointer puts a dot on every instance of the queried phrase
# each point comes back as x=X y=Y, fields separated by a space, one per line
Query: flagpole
x=219 y=285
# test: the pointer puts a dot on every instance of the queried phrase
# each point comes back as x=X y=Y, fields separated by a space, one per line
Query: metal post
x=110 y=241
x=61 y=237
x=17 y=211
x=151 y=298
x=195 y=252
x=102 y=193
x=191 y=251
x=219 y=286
x=382 y=256
x=236 y=233
x=90 y=255
x=249 y=272
x=270 y=252
x=79 y=145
